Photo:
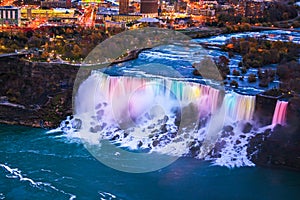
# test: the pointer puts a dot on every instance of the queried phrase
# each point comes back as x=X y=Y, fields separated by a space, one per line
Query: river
x=36 y=164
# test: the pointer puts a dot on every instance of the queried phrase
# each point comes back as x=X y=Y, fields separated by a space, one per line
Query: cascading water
x=239 y=107
x=165 y=116
x=279 y=116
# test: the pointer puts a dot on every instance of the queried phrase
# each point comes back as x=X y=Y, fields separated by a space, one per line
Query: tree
x=251 y=78
x=76 y=52
x=34 y=42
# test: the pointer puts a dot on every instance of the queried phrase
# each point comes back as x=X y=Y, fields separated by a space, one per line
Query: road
x=13 y=54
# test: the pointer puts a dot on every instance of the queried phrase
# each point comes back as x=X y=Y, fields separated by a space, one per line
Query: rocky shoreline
x=131 y=56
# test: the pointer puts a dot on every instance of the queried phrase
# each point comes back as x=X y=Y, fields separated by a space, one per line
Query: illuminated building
x=10 y=15
x=47 y=13
x=149 y=8
x=56 y=3
x=98 y=2
x=29 y=2
x=180 y=6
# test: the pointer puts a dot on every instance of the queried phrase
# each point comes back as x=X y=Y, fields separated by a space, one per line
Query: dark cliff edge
x=35 y=94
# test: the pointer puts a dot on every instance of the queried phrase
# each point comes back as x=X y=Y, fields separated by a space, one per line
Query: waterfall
x=239 y=107
x=161 y=115
x=134 y=95
x=130 y=97
x=279 y=116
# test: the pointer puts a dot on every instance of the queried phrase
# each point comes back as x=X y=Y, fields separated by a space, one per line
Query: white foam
x=106 y=195
x=234 y=152
x=15 y=173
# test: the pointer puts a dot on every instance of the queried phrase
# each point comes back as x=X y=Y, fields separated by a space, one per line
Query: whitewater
x=166 y=116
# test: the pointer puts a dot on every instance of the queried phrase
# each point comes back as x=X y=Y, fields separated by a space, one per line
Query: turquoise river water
x=37 y=165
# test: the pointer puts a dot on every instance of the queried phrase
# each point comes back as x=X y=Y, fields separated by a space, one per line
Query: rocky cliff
x=35 y=94
x=279 y=147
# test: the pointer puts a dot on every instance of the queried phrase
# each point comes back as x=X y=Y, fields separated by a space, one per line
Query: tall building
x=123 y=7
x=149 y=8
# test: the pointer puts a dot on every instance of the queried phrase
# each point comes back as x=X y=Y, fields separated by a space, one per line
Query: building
x=56 y=3
x=124 y=7
x=29 y=2
x=10 y=15
x=112 y=24
x=180 y=6
x=47 y=13
x=149 y=8
x=126 y=18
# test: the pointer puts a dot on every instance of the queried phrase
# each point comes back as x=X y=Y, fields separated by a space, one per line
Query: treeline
x=9 y=42
x=258 y=52
x=278 y=11
x=70 y=43
x=289 y=74
x=275 y=11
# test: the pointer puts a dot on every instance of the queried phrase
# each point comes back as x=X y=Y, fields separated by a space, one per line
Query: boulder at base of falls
x=247 y=128
x=228 y=128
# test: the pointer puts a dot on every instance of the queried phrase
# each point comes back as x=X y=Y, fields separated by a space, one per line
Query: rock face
x=277 y=148
x=264 y=109
x=35 y=94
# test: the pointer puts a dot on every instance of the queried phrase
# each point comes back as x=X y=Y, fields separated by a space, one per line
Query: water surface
x=55 y=167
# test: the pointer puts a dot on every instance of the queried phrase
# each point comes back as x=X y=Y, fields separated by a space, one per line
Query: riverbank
x=133 y=54
x=202 y=32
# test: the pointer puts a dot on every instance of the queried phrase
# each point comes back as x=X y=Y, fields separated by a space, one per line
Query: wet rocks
x=277 y=148
x=76 y=123
x=228 y=128
x=163 y=128
x=100 y=112
x=247 y=128
x=155 y=143
x=194 y=148
x=96 y=129
x=140 y=143
x=115 y=137
x=98 y=106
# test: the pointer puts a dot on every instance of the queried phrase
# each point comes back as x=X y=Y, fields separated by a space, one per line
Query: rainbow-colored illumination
x=279 y=116
x=136 y=94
